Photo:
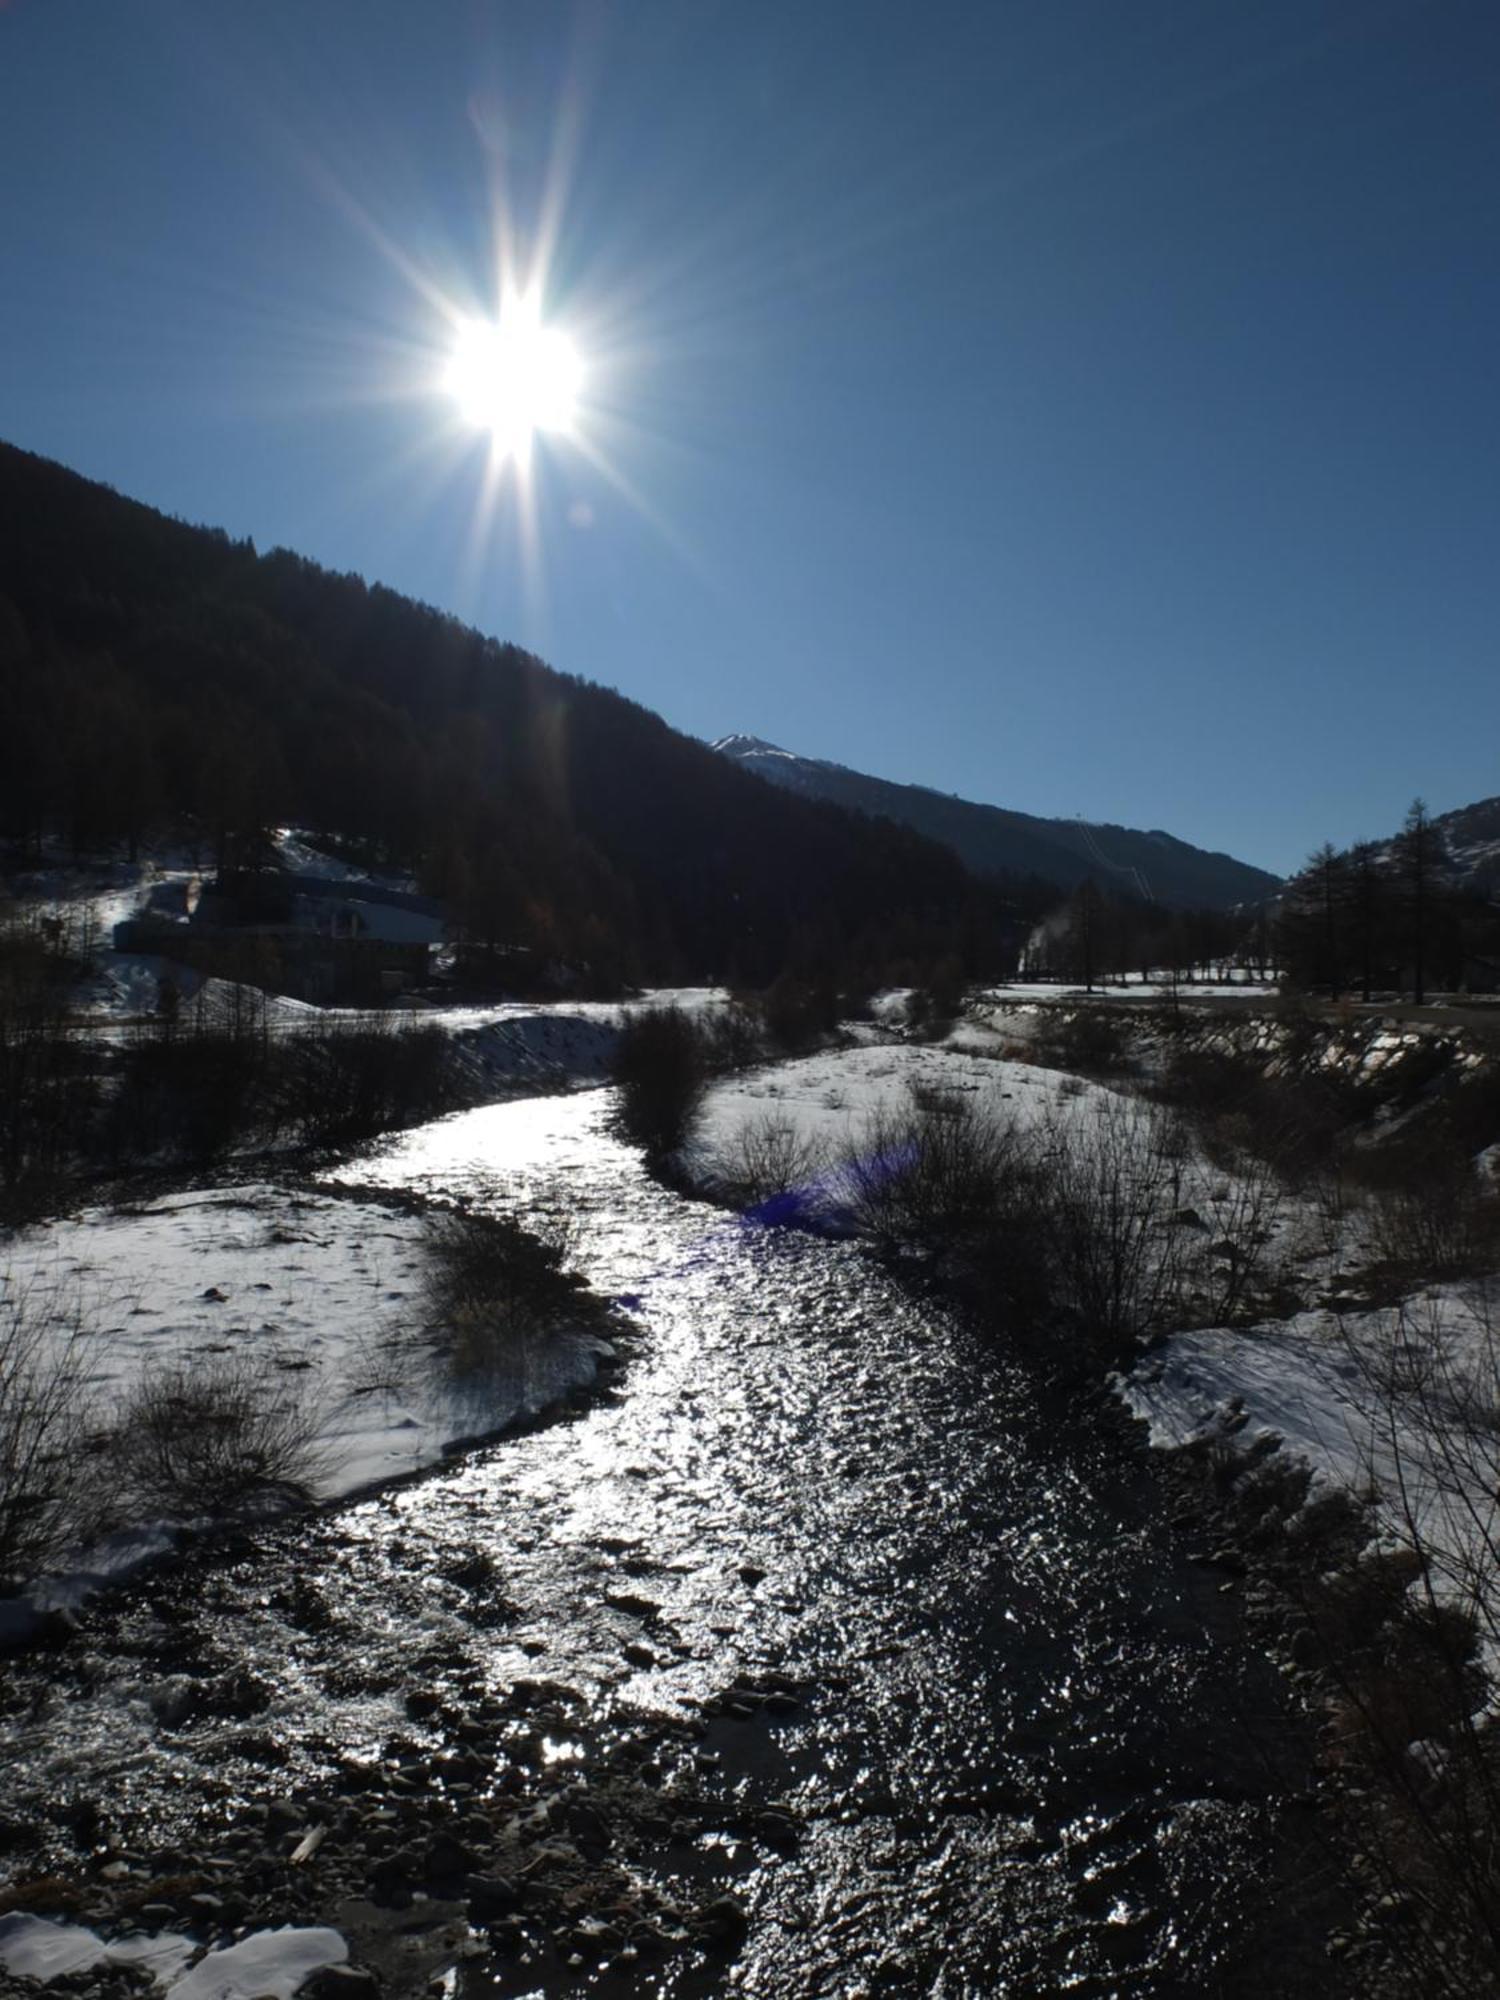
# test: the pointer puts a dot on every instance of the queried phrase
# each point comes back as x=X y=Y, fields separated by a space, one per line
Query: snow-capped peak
x=752 y=746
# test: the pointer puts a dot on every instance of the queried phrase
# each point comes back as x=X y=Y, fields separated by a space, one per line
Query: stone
x=633 y=1606
x=723 y=1921
x=446 y=1857
x=341 y=1982
x=392 y=1876
x=779 y=1828
x=587 y=1824
x=595 y=1937
x=489 y=1897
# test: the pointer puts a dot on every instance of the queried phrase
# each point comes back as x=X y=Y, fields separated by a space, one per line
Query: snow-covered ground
x=325 y=1292
x=299 y=852
x=266 y=1965
x=828 y=1099
x=1398 y=1407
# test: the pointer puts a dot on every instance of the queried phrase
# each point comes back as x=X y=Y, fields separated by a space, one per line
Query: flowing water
x=1026 y=1745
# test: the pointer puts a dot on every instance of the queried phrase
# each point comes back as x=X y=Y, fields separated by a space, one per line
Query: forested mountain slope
x=1153 y=866
x=154 y=673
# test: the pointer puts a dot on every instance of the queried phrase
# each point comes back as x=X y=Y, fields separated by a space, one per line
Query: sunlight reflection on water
x=1008 y=1728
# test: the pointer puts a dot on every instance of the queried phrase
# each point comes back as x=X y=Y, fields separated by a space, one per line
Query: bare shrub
x=799 y=1013
x=968 y=1186
x=49 y=1088
x=1119 y=1170
x=933 y=1006
x=492 y=1285
x=930 y=1175
x=768 y=1157
x=334 y=1080
x=50 y=1480
x=1240 y=1267
x=216 y=1434
x=733 y=1036
x=1437 y=1224
x=1087 y=1040
x=1294 y=1123
x=660 y=1071
x=1074 y=1221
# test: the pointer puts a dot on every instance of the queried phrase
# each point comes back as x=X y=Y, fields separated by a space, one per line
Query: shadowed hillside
x=155 y=674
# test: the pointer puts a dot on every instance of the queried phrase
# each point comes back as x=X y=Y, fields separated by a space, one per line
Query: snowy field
x=322 y=1292
x=829 y=1099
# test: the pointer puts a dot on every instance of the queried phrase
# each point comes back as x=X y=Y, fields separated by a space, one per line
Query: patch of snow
x=268 y=1965
x=299 y=853
x=323 y=1291
x=40 y=1948
x=1394 y=1406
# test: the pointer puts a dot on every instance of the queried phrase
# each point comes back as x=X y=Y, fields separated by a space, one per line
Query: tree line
x=1096 y=938
x=1381 y=917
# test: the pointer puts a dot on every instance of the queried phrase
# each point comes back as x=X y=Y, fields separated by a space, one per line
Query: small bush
x=1087 y=1040
x=733 y=1037
x=49 y=1476
x=770 y=1157
x=799 y=1013
x=660 y=1070
x=1441 y=1225
x=341 y=1082
x=492 y=1287
x=967 y=1186
x=214 y=1435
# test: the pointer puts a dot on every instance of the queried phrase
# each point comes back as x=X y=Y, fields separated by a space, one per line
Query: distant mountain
x=990 y=839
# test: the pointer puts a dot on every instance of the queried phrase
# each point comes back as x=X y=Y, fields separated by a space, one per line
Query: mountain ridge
x=1151 y=864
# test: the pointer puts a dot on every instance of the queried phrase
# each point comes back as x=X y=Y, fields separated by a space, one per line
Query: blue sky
x=1086 y=405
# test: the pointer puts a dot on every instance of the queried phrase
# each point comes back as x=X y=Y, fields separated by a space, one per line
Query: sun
x=515 y=376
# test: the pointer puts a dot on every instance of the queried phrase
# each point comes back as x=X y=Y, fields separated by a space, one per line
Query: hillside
x=1471 y=839
x=154 y=673
x=1466 y=848
x=990 y=839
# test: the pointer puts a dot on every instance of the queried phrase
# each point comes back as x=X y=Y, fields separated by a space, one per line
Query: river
x=971 y=1720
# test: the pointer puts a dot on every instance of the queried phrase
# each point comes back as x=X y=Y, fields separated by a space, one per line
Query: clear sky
x=1085 y=405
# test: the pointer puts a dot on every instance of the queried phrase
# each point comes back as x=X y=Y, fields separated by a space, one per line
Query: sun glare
x=515 y=377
